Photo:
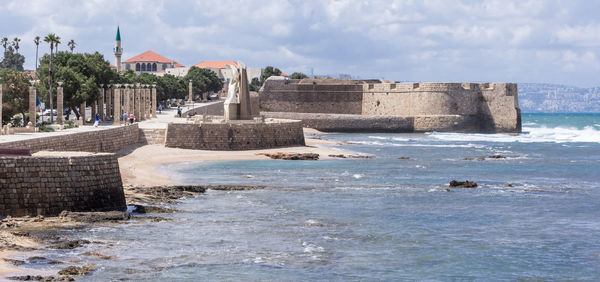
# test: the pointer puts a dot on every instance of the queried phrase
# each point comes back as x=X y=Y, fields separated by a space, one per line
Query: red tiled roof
x=151 y=56
x=215 y=64
x=283 y=74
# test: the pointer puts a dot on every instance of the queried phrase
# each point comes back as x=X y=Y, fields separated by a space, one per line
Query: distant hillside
x=555 y=98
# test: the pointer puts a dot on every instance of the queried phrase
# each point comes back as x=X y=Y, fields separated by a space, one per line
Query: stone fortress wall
x=334 y=105
x=238 y=135
x=47 y=185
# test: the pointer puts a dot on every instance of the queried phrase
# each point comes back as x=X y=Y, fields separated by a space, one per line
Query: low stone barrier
x=47 y=185
x=237 y=135
x=101 y=140
x=361 y=123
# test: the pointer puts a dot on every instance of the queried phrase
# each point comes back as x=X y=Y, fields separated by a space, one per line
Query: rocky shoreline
x=29 y=234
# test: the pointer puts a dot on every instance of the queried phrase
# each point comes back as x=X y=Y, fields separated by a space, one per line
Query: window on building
x=164 y=67
x=127 y=67
x=143 y=67
x=154 y=67
x=137 y=67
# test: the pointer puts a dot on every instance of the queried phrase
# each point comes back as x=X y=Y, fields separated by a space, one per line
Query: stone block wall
x=240 y=135
x=49 y=185
x=100 y=140
x=291 y=96
x=151 y=136
x=482 y=107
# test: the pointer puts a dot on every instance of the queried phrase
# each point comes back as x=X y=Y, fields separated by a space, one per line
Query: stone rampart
x=238 y=135
x=480 y=107
x=364 y=123
x=47 y=185
x=151 y=136
x=101 y=140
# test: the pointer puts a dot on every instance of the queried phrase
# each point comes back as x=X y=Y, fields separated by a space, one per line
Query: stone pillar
x=116 y=105
x=108 y=101
x=136 y=106
x=126 y=99
x=101 y=102
x=59 y=104
x=94 y=111
x=82 y=112
x=143 y=103
x=154 y=103
x=1 y=109
x=32 y=111
x=190 y=93
x=131 y=97
x=147 y=107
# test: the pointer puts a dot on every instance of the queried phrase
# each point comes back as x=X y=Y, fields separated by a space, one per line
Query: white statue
x=233 y=85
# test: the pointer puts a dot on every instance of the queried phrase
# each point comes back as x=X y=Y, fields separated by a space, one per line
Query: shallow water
x=382 y=218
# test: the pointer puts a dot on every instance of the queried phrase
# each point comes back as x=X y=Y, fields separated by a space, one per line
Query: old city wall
x=235 y=136
x=470 y=107
x=47 y=185
x=291 y=96
x=101 y=140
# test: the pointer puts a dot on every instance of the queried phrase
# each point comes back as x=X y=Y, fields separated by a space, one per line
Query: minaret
x=118 y=51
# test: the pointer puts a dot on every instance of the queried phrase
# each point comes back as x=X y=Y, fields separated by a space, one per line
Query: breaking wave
x=529 y=135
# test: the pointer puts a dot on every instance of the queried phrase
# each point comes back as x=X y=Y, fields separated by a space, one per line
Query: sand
x=138 y=165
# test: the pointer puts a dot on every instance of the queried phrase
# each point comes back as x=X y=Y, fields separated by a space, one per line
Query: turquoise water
x=384 y=218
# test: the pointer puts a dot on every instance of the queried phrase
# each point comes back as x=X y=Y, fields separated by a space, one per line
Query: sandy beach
x=138 y=164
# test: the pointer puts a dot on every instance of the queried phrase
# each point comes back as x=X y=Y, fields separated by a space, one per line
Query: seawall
x=478 y=107
x=235 y=135
x=108 y=140
x=49 y=184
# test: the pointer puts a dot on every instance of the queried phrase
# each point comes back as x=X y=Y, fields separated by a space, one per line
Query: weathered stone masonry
x=472 y=107
x=235 y=136
x=49 y=185
x=101 y=140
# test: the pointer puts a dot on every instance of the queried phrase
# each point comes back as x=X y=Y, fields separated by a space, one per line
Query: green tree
x=298 y=75
x=16 y=44
x=254 y=84
x=203 y=81
x=170 y=86
x=36 y=40
x=51 y=39
x=4 y=43
x=12 y=60
x=71 y=45
x=16 y=93
x=268 y=72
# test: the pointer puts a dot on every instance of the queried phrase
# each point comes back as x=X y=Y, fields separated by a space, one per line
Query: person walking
x=179 y=111
x=131 y=118
x=160 y=109
x=96 y=120
x=125 y=117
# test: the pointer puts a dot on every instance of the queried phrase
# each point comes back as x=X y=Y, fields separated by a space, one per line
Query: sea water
x=535 y=214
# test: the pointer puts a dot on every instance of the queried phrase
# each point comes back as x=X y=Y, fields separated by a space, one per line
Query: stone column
x=136 y=107
x=59 y=104
x=143 y=103
x=117 y=105
x=147 y=105
x=82 y=112
x=1 y=109
x=108 y=101
x=101 y=102
x=32 y=111
x=154 y=103
x=131 y=97
x=126 y=99
x=190 y=93
x=94 y=111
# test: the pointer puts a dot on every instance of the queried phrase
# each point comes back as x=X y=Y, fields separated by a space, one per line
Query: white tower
x=118 y=51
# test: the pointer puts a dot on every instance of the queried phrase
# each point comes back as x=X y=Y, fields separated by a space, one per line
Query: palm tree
x=16 y=44
x=36 y=40
x=57 y=42
x=52 y=39
x=4 y=43
x=71 y=45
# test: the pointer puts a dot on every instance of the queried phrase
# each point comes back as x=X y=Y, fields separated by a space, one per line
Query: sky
x=549 y=41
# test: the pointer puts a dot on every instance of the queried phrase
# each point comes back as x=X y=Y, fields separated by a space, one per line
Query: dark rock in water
x=404 y=158
x=71 y=244
x=481 y=159
x=508 y=185
x=468 y=159
x=14 y=261
x=448 y=190
x=27 y=278
x=152 y=209
x=341 y=156
x=360 y=156
x=234 y=187
x=292 y=156
x=463 y=184
x=497 y=157
x=77 y=270
x=93 y=216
